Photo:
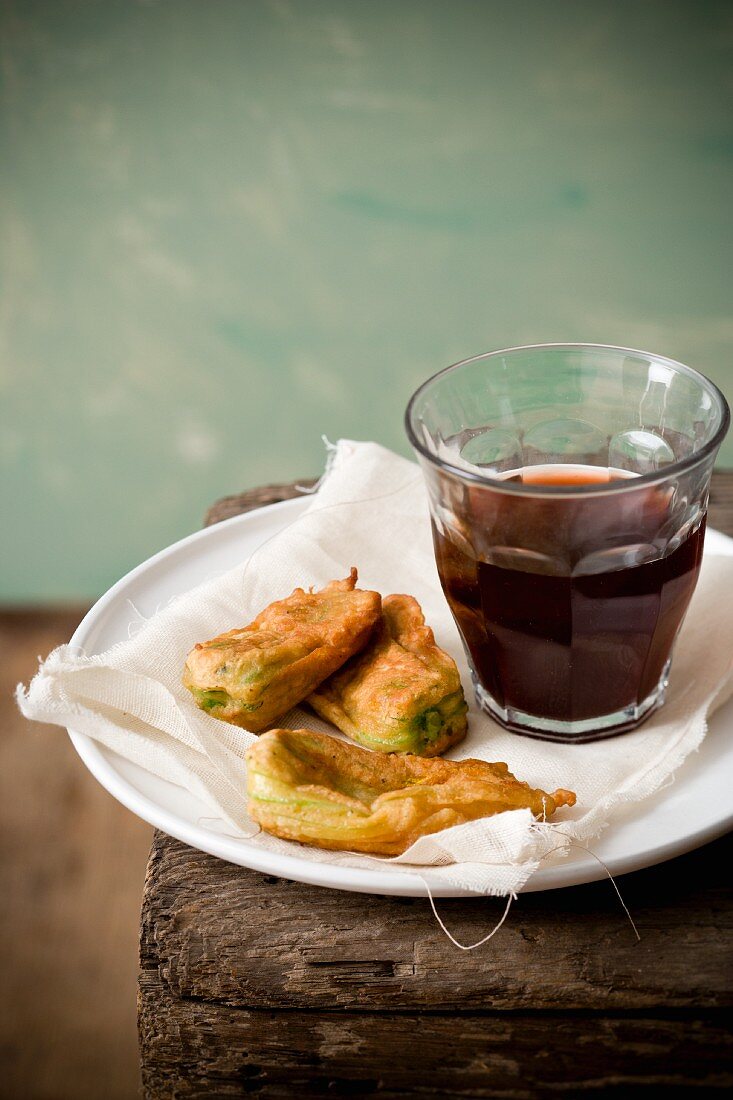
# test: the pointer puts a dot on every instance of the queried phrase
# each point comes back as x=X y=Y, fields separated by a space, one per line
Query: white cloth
x=371 y=511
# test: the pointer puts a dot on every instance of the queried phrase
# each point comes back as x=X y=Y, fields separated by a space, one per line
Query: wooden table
x=251 y=985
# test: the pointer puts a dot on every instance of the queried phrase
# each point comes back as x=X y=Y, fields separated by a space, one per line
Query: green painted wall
x=229 y=227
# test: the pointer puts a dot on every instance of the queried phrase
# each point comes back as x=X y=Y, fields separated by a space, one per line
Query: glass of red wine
x=568 y=489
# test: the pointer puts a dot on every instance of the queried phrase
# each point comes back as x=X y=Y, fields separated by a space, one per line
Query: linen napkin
x=371 y=511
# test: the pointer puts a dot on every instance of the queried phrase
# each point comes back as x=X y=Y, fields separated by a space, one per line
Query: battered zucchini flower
x=401 y=693
x=253 y=675
x=323 y=791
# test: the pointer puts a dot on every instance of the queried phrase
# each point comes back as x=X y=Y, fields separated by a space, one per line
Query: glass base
x=589 y=729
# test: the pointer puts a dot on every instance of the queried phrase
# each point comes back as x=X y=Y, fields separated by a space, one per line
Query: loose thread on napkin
x=135 y=625
x=598 y=859
x=451 y=937
x=331 y=452
x=513 y=897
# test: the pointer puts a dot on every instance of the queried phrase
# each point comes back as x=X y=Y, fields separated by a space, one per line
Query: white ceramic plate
x=697 y=808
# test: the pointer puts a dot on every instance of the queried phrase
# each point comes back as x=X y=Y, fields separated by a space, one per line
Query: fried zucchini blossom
x=253 y=675
x=319 y=790
x=402 y=693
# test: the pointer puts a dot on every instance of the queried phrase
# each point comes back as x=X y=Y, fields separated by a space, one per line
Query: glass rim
x=620 y=485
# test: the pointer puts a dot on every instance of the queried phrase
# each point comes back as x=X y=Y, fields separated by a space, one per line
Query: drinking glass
x=568 y=488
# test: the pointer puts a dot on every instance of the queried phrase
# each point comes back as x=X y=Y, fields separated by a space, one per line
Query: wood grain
x=218 y=933
x=253 y=985
x=198 y=1050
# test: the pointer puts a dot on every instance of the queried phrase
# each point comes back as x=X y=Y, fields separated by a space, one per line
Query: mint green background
x=230 y=227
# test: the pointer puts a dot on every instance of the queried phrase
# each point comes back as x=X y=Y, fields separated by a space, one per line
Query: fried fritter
x=253 y=675
x=400 y=694
x=319 y=790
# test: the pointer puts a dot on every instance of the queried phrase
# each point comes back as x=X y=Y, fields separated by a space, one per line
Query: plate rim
x=100 y=762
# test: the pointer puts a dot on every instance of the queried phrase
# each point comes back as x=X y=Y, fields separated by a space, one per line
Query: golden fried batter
x=316 y=789
x=253 y=675
x=400 y=694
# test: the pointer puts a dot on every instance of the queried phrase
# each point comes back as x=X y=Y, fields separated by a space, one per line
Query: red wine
x=568 y=606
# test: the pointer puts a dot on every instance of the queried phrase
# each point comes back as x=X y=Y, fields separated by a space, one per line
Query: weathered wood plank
x=195 y=1050
x=221 y=933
